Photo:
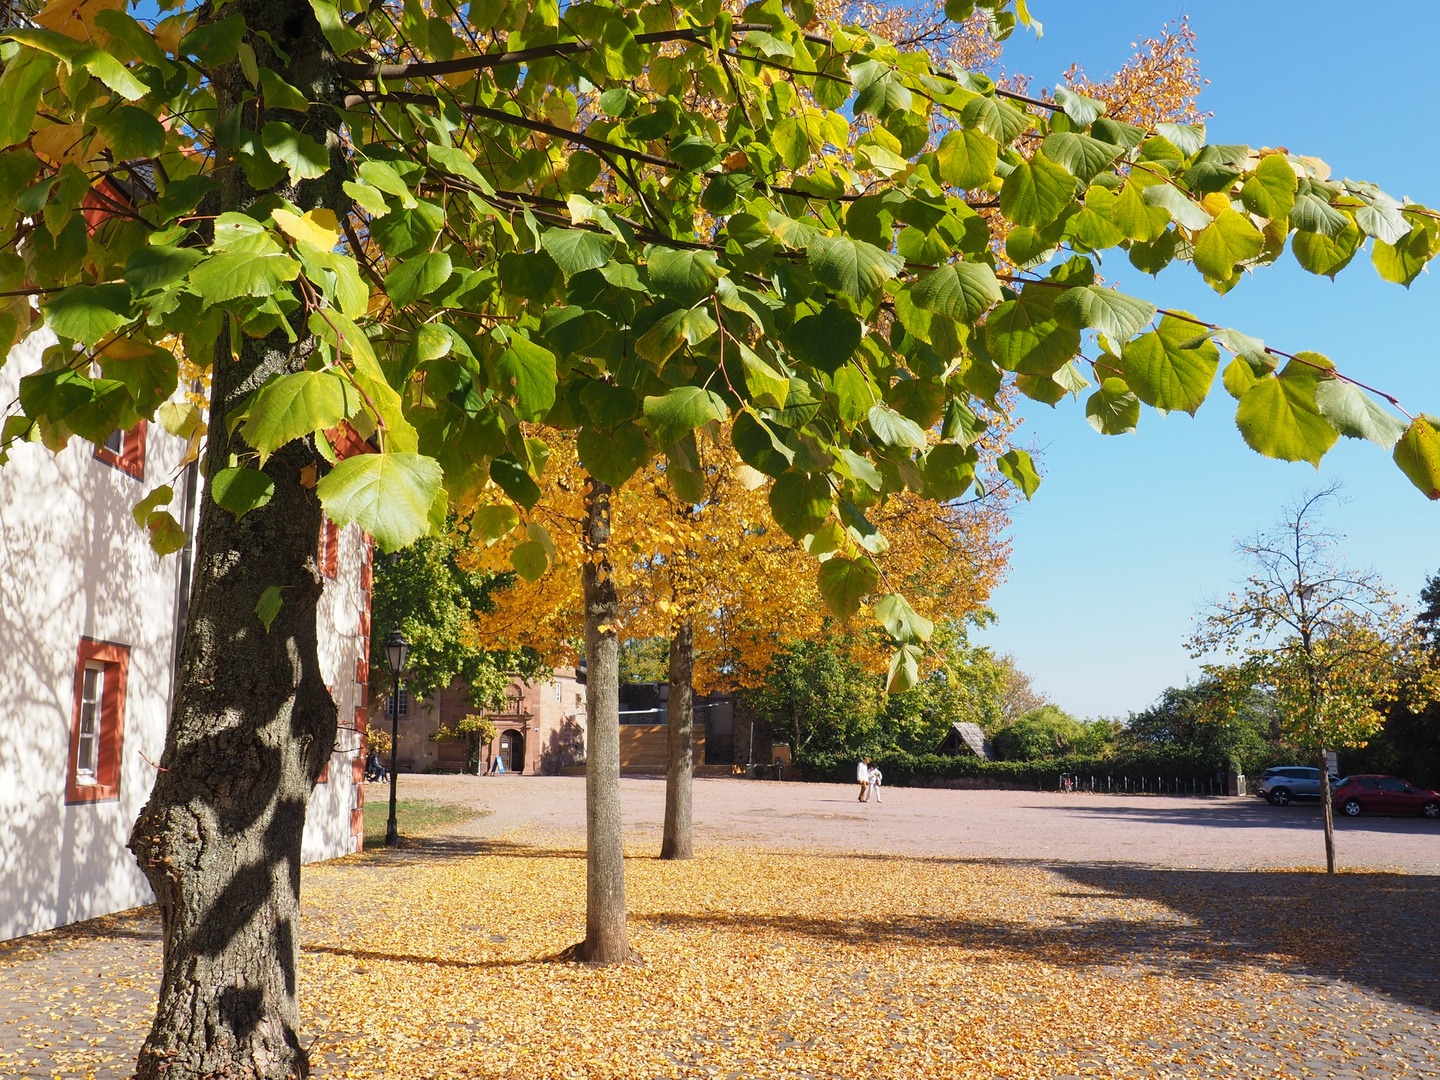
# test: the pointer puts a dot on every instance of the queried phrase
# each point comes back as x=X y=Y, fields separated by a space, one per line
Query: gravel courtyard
x=939 y=934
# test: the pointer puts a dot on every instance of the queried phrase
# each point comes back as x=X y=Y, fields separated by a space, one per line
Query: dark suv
x=1286 y=782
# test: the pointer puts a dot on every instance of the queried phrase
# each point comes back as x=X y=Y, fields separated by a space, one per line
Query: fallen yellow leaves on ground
x=433 y=960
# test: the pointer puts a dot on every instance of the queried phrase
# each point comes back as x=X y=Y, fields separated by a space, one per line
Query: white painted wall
x=73 y=563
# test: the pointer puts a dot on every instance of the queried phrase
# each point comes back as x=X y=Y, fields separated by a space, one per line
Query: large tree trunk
x=251 y=723
x=676 y=843
x=605 y=941
x=1327 y=813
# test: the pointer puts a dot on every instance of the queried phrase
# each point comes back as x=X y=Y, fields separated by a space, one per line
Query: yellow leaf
x=318 y=227
x=1215 y=203
x=75 y=18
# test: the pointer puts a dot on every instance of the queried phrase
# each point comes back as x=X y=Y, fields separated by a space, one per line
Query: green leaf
x=892 y=429
x=852 y=267
x=1177 y=204
x=216 y=43
x=967 y=159
x=904 y=669
x=515 y=481
x=997 y=118
x=1168 y=369
x=305 y=158
x=1080 y=155
x=1018 y=467
x=1036 y=191
x=20 y=87
x=1189 y=138
x=680 y=411
x=1357 y=415
x=1313 y=214
x=1402 y=261
x=1270 y=190
x=612 y=456
x=241 y=490
x=268 y=606
x=527 y=371
x=962 y=291
x=159 y=497
x=111 y=72
x=231 y=274
x=295 y=405
x=577 y=250
x=768 y=387
x=492 y=523
x=132 y=132
x=826 y=339
x=844 y=583
x=1418 y=455
x=1113 y=409
x=1023 y=335
x=530 y=560
x=166 y=535
x=279 y=94
x=152 y=268
x=687 y=326
x=1228 y=241
x=901 y=621
x=948 y=470
x=1136 y=218
x=1079 y=108
x=1323 y=255
x=684 y=275
x=1117 y=316
x=388 y=494
x=337 y=32
x=1278 y=418
x=608 y=405
x=87 y=313
x=417 y=277
x=758 y=446
x=800 y=503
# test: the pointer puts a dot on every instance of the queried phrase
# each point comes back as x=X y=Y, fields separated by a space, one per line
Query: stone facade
x=90 y=619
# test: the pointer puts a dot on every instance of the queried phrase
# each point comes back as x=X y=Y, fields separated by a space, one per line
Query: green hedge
x=930 y=770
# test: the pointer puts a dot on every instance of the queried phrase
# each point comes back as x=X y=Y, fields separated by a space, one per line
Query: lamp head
x=397 y=651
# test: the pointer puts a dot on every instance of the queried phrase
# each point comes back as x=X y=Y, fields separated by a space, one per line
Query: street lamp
x=397 y=651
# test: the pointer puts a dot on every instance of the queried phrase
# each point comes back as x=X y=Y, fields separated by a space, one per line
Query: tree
x=560 y=228
x=1206 y=717
x=1050 y=732
x=1329 y=643
x=423 y=592
x=816 y=692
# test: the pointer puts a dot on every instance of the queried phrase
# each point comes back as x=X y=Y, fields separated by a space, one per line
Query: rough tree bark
x=1327 y=812
x=252 y=723
x=676 y=842
x=606 y=940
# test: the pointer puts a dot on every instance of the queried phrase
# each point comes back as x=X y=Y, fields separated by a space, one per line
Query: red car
x=1356 y=795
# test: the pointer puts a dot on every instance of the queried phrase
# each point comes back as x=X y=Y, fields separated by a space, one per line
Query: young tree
x=396 y=218
x=1328 y=642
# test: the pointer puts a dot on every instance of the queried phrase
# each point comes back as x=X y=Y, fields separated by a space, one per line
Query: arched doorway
x=512 y=749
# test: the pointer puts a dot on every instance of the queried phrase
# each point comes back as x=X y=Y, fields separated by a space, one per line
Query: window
x=97 y=723
x=1389 y=783
x=125 y=450
x=327 y=555
x=557 y=693
x=400 y=703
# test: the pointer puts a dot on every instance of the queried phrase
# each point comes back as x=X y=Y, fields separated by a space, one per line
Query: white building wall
x=74 y=564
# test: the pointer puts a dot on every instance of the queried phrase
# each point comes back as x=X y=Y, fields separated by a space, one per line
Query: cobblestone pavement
x=1247 y=972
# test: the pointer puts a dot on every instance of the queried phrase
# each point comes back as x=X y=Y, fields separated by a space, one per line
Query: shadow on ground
x=1227 y=815
x=1373 y=930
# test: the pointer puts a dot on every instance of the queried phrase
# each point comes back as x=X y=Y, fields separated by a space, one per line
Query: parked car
x=1375 y=794
x=1286 y=782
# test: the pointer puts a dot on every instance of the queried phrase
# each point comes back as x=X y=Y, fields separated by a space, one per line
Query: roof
x=972 y=737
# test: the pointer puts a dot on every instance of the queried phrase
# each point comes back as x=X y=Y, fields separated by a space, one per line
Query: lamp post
x=397 y=651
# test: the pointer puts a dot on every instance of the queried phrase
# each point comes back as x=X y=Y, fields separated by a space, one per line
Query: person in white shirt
x=862 y=774
x=875 y=777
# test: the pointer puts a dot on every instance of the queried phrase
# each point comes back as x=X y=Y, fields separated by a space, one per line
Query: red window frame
x=131 y=457
x=115 y=661
x=328 y=550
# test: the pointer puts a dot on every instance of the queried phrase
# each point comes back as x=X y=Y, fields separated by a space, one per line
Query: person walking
x=862 y=774
x=875 y=777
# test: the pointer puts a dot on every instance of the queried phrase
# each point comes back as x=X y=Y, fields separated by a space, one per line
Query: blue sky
x=1128 y=536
